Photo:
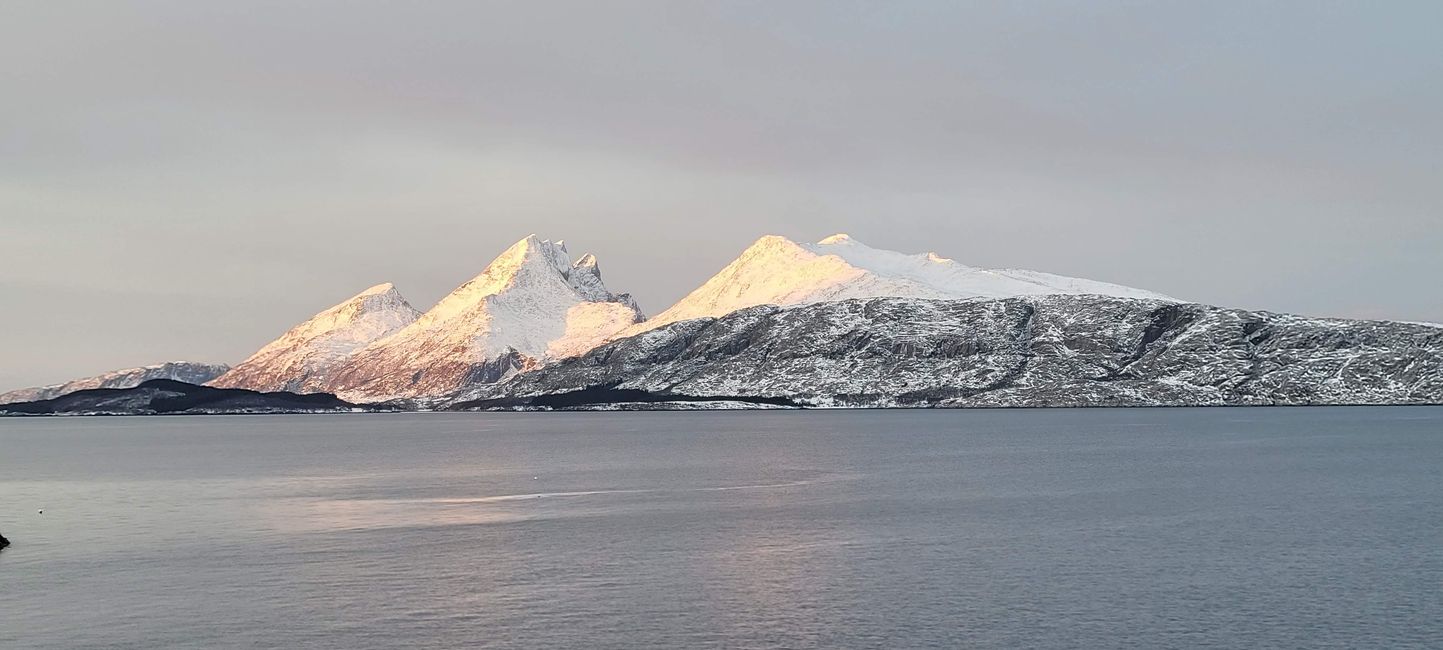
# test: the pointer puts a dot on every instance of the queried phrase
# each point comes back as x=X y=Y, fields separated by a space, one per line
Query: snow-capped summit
x=778 y=271
x=301 y=358
x=529 y=304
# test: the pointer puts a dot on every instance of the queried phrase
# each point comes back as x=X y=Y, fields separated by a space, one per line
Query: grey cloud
x=284 y=155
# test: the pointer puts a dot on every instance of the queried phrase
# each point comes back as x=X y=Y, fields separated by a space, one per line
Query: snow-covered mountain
x=302 y=357
x=186 y=371
x=531 y=303
x=1060 y=350
x=778 y=271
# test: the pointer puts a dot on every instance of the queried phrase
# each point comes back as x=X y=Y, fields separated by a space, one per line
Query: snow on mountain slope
x=1057 y=350
x=301 y=358
x=186 y=371
x=530 y=303
x=777 y=271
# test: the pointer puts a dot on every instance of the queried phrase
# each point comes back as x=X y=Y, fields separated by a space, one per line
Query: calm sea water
x=1241 y=528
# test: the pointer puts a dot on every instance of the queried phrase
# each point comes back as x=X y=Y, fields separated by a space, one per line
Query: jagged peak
x=530 y=250
x=521 y=248
x=383 y=296
x=312 y=347
x=529 y=264
x=384 y=287
x=380 y=308
x=839 y=238
x=585 y=277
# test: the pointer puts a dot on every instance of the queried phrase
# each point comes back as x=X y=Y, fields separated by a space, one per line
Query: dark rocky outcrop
x=606 y=395
x=164 y=396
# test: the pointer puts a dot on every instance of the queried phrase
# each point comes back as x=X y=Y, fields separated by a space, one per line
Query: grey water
x=1094 y=528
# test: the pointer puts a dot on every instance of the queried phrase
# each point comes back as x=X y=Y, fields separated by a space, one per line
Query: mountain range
x=831 y=323
x=170 y=397
x=193 y=373
x=778 y=271
x=530 y=304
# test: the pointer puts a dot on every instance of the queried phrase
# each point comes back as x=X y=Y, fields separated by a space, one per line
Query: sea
x=1046 y=528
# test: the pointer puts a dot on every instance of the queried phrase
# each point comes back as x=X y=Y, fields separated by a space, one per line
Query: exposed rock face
x=530 y=304
x=163 y=396
x=194 y=373
x=1033 y=351
x=303 y=358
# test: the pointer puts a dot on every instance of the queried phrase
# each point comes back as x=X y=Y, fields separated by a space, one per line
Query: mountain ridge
x=776 y=270
x=189 y=371
x=1057 y=350
x=530 y=303
x=303 y=356
x=831 y=323
x=170 y=397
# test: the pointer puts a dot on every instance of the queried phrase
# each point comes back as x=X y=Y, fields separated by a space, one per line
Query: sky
x=187 y=180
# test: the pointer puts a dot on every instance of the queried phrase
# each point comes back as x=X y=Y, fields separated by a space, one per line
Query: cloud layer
x=187 y=180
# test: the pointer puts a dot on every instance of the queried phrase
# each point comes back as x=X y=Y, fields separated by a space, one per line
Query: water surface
x=1141 y=528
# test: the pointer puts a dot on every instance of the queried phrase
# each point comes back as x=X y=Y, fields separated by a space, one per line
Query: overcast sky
x=187 y=180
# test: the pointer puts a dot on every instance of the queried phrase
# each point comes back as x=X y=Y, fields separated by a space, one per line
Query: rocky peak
x=307 y=352
x=530 y=302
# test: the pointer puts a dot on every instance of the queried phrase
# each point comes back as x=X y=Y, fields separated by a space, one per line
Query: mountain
x=1059 y=350
x=165 y=396
x=530 y=304
x=302 y=357
x=195 y=373
x=778 y=271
